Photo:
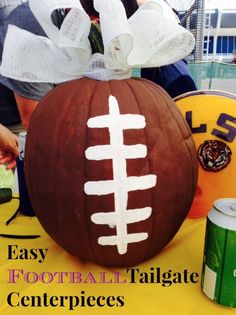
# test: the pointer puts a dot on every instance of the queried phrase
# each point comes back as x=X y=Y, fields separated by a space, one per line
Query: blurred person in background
x=18 y=99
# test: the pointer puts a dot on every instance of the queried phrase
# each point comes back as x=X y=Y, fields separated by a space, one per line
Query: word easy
x=16 y=253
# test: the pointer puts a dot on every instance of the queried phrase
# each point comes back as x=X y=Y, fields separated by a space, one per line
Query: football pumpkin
x=111 y=169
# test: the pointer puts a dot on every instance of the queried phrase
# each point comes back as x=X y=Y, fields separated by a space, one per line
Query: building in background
x=213 y=61
x=213 y=22
x=220 y=30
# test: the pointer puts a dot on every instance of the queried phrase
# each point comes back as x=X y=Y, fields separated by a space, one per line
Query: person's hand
x=8 y=148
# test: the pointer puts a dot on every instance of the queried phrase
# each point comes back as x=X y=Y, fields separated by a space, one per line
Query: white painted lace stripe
x=134 y=151
x=126 y=121
x=140 y=182
x=105 y=152
x=130 y=216
x=105 y=187
x=99 y=188
x=99 y=152
x=122 y=243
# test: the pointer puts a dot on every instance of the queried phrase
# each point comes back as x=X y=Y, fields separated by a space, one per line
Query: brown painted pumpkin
x=111 y=169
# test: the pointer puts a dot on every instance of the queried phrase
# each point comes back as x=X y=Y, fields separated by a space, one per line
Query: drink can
x=25 y=206
x=219 y=261
x=22 y=140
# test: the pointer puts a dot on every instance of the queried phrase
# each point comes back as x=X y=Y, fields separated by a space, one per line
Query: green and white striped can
x=219 y=261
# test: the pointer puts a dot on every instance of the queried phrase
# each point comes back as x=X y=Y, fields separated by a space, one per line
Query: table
x=184 y=252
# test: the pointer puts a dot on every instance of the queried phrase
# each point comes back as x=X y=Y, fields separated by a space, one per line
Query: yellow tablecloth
x=185 y=251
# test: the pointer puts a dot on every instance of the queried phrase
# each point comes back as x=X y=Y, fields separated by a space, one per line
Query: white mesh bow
x=150 y=37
